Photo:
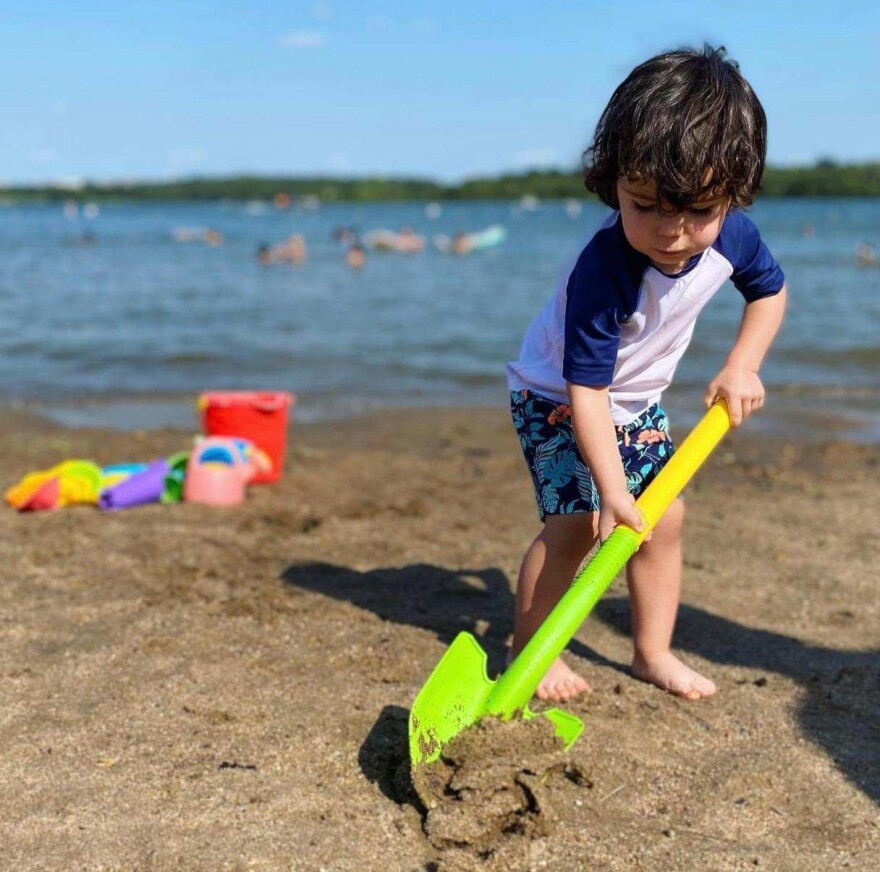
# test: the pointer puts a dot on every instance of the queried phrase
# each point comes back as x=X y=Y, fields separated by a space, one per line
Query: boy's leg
x=545 y=575
x=654 y=578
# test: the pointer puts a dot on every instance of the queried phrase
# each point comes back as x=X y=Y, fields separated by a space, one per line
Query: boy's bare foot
x=561 y=684
x=671 y=675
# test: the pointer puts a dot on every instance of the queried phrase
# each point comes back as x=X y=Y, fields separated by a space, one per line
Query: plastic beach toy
x=459 y=692
x=219 y=469
x=143 y=487
x=119 y=472
x=69 y=483
x=172 y=492
x=491 y=236
x=260 y=416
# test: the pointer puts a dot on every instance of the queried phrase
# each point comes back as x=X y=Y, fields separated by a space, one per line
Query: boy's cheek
x=635 y=233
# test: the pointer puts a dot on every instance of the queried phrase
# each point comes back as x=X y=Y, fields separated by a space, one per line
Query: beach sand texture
x=184 y=688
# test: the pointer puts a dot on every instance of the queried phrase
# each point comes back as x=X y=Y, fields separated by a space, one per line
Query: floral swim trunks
x=563 y=484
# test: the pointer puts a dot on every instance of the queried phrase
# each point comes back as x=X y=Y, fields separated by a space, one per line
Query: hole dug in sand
x=491 y=792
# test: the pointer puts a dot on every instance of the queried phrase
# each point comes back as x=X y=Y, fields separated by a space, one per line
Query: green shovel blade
x=459 y=692
x=457 y=695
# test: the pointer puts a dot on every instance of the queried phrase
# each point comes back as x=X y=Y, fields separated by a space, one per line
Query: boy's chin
x=669 y=266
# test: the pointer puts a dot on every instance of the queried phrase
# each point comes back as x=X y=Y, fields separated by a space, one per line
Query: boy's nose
x=671 y=225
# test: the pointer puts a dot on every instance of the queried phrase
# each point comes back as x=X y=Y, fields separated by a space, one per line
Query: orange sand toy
x=73 y=482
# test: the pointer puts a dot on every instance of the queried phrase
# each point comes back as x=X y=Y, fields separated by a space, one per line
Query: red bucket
x=260 y=416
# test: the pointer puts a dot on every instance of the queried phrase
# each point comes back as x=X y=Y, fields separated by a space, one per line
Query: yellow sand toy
x=72 y=482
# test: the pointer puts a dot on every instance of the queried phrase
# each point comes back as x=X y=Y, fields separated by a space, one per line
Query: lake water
x=125 y=331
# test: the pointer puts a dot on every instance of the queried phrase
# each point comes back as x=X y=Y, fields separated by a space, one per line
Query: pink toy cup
x=217 y=473
x=260 y=416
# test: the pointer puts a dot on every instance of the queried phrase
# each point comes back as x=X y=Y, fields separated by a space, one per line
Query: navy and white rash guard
x=621 y=322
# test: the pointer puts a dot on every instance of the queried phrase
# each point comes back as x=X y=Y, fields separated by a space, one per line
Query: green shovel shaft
x=516 y=686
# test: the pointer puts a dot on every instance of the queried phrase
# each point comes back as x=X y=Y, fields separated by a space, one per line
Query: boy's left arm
x=738 y=382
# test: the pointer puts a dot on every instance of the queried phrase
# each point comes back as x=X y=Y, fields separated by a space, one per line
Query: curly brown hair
x=687 y=120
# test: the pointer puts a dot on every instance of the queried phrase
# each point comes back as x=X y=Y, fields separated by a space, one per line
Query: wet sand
x=200 y=689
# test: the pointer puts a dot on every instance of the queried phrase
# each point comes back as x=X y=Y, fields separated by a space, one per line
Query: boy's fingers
x=636 y=520
x=709 y=396
x=735 y=407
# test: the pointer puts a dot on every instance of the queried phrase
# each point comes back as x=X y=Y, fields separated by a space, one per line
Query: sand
x=184 y=688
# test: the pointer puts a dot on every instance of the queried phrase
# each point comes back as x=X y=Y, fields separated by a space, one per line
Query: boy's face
x=668 y=239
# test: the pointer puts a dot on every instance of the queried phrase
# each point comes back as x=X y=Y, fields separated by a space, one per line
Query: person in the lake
x=355 y=256
x=292 y=250
x=678 y=154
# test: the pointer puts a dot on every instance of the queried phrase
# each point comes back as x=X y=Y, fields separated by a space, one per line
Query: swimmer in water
x=344 y=234
x=866 y=255
x=408 y=241
x=462 y=243
x=293 y=250
x=355 y=256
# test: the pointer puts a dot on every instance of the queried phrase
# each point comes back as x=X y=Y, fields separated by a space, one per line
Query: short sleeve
x=756 y=273
x=592 y=323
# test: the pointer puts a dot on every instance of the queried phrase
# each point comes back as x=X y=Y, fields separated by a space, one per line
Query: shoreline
x=783 y=419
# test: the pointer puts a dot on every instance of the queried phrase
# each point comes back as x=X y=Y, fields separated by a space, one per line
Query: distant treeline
x=824 y=179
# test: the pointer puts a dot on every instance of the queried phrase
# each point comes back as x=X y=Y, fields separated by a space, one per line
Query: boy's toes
x=554 y=691
x=703 y=686
x=685 y=692
x=560 y=684
x=578 y=686
x=694 y=687
x=671 y=675
x=567 y=690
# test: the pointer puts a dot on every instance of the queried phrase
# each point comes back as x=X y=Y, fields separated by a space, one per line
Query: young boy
x=677 y=153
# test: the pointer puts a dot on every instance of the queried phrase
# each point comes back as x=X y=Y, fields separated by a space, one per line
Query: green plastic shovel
x=459 y=692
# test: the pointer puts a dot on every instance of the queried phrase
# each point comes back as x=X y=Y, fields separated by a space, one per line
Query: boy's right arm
x=597 y=442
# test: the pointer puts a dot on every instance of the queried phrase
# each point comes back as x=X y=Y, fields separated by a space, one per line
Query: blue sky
x=165 y=88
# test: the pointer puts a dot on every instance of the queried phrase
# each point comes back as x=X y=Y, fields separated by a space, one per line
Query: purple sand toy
x=144 y=487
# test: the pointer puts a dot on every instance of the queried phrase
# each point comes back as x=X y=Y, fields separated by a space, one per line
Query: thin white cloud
x=304 y=39
x=426 y=25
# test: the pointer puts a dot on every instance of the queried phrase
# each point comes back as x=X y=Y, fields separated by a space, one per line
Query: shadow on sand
x=839 y=711
x=840 y=708
x=441 y=601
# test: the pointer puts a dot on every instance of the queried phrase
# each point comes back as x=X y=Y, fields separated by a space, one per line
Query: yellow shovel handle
x=682 y=465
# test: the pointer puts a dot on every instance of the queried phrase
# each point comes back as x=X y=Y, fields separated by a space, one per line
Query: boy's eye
x=645 y=208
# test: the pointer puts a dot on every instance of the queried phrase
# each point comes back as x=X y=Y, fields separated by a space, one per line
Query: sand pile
x=491 y=794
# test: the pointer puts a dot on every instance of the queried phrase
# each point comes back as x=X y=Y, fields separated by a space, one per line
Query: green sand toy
x=459 y=692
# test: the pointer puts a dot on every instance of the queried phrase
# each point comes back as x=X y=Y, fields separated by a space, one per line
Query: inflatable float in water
x=464 y=243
